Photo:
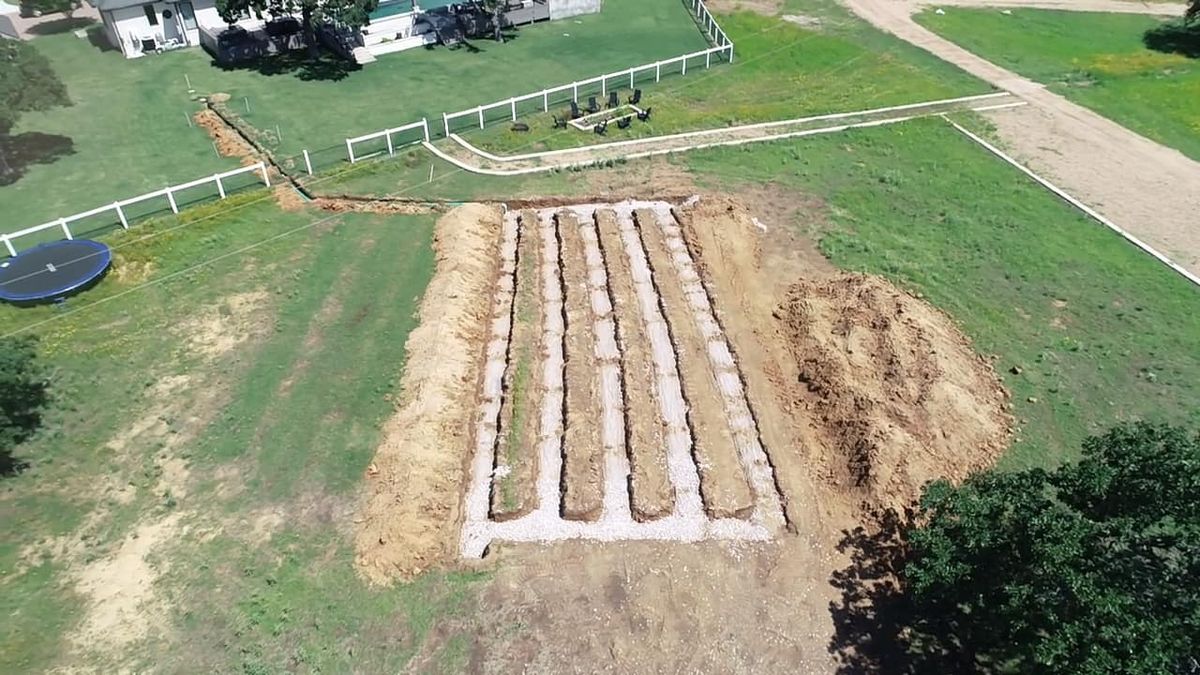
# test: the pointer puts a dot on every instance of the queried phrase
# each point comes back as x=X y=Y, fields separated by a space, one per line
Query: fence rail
x=118 y=207
x=555 y=95
x=722 y=47
x=387 y=135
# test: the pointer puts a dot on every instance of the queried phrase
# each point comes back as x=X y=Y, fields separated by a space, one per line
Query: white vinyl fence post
x=307 y=163
x=545 y=101
x=603 y=86
x=62 y=222
x=8 y=245
x=575 y=91
x=480 y=117
x=657 y=71
x=220 y=186
x=731 y=52
x=121 y=215
x=707 y=59
x=446 y=123
x=631 y=78
x=425 y=128
x=683 y=71
x=171 y=201
x=262 y=166
x=512 y=104
x=350 y=150
x=391 y=148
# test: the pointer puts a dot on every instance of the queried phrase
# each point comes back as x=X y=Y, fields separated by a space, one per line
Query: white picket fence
x=387 y=134
x=722 y=45
x=118 y=207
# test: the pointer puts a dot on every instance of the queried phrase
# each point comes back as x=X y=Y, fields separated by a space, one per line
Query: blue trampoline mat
x=53 y=271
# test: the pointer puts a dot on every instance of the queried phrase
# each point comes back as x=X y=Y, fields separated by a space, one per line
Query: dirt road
x=1149 y=189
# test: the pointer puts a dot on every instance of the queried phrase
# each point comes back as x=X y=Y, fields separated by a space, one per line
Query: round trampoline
x=53 y=271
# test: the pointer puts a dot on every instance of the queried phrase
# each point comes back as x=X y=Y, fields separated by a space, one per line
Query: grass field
x=279 y=364
x=781 y=71
x=128 y=119
x=222 y=416
x=1096 y=60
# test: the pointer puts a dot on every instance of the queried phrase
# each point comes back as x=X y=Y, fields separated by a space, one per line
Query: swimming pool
x=394 y=7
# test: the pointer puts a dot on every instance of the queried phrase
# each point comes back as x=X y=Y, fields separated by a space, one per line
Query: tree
x=24 y=394
x=496 y=9
x=27 y=84
x=32 y=7
x=1091 y=568
x=349 y=13
x=1193 y=10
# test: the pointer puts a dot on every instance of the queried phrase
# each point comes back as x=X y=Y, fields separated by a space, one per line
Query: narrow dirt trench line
x=608 y=356
x=681 y=466
x=729 y=378
x=478 y=498
x=583 y=455
x=723 y=483
x=651 y=496
x=551 y=431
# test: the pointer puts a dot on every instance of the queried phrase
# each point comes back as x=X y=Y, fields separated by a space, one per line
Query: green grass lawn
x=1096 y=60
x=284 y=422
x=781 y=71
x=129 y=131
x=1100 y=331
x=129 y=128
x=404 y=87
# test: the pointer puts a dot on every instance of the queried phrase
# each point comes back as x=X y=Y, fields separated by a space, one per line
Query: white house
x=137 y=27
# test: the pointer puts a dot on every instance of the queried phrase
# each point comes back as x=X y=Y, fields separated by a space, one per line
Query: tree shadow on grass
x=876 y=627
x=325 y=66
x=1175 y=37
x=19 y=152
x=63 y=25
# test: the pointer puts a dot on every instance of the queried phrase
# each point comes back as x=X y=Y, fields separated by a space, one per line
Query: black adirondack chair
x=636 y=98
x=645 y=114
x=624 y=122
x=613 y=99
x=559 y=123
x=592 y=105
x=575 y=114
x=601 y=128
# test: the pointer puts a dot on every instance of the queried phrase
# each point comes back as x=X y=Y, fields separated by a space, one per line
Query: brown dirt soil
x=723 y=483
x=514 y=494
x=287 y=198
x=337 y=205
x=229 y=143
x=764 y=7
x=583 y=452
x=894 y=385
x=410 y=515
x=651 y=495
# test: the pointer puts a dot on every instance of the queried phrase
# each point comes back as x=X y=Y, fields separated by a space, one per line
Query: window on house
x=150 y=15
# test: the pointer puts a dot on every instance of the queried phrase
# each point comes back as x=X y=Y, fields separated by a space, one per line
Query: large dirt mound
x=893 y=386
x=409 y=520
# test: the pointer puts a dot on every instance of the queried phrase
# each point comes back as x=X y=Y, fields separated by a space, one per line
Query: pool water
x=395 y=7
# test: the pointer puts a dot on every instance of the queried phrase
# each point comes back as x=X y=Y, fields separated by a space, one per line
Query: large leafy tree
x=68 y=7
x=28 y=83
x=351 y=13
x=1091 y=568
x=23 y=396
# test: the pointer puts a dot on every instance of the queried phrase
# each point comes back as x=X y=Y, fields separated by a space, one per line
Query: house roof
x=106 y=5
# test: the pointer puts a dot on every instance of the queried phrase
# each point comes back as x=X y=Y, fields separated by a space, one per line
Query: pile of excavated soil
x=410 y=518
x=858 y=386
x=229 y=143
x=894 y=387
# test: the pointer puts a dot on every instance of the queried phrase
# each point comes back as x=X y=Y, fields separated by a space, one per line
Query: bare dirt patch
x=899 y=394
x=408 y=520
x=764 y=7
x=229 y=142
x=216 y=329
x=123 y=606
